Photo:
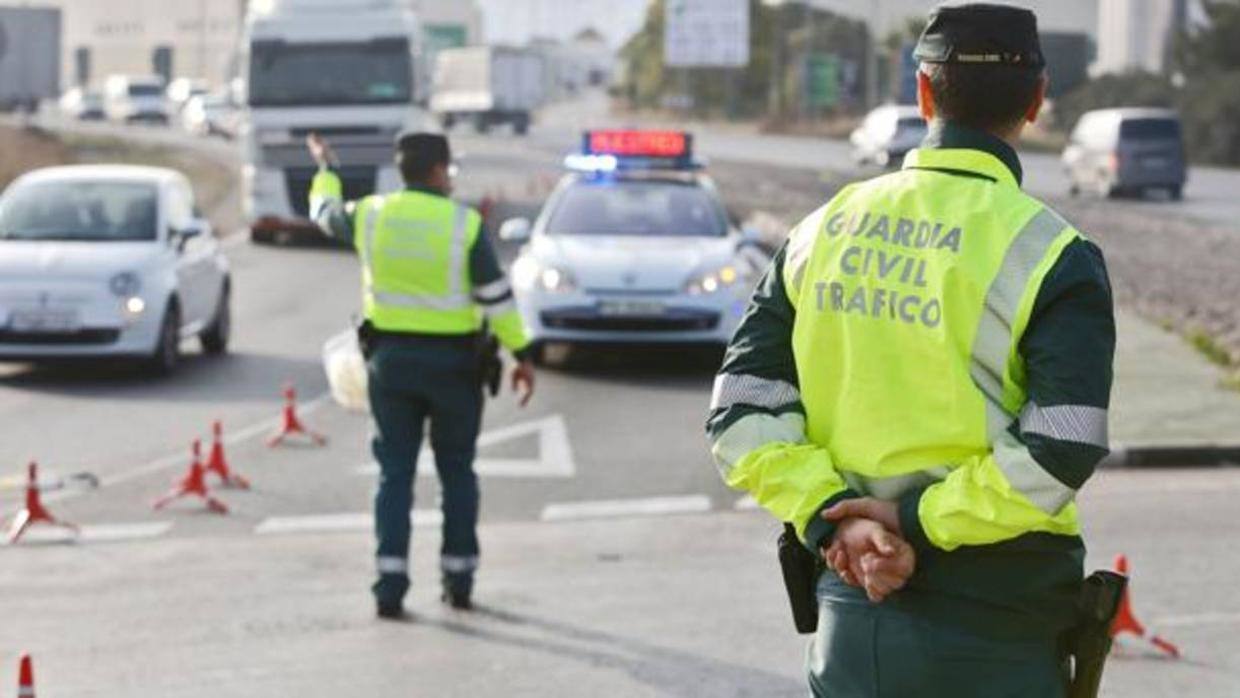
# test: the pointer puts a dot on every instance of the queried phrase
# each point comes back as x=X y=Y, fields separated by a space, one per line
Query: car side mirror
x=516 y=230
x=196 y=228
x=751 y=236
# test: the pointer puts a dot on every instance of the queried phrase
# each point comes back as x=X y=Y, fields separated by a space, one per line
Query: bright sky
x=516 y=21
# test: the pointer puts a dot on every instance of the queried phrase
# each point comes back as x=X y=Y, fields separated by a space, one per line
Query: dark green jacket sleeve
x=756 y=425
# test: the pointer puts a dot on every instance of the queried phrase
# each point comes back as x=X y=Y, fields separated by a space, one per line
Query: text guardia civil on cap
x=981 y=34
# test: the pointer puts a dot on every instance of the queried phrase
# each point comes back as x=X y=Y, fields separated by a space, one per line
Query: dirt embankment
x=1181 y=274
x=215 y=185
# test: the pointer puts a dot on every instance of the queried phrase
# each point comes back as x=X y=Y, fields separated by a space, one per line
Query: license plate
x=631 y=308
x=1155 y=163
x=43 y=321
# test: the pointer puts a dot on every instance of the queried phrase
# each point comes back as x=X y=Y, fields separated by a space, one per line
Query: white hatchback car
x=113 y=261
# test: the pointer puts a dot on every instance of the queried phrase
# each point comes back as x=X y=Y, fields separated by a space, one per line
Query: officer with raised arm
x=920 y=387
x=430 y=278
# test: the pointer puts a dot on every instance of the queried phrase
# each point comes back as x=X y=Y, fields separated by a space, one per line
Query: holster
x=366 y=339
x=801 y=569
x=490 y=363
x=1090 y=642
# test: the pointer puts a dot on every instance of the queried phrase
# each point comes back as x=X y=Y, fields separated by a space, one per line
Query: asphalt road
x=611 y=434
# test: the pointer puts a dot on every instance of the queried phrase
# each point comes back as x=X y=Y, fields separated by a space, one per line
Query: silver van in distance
x=1129 y=151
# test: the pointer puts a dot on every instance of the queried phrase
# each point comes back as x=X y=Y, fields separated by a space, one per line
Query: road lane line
x=1197 y=619
x=746 y=503
x=114 y=533
x=181 y=458
x=555 y=454
x=623 y=508
x=349 y=522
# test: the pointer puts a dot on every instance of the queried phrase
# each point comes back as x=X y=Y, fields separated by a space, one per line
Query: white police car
x=634 y=245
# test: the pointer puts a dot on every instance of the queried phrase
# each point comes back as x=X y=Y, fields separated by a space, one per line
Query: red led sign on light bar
x=643 y=144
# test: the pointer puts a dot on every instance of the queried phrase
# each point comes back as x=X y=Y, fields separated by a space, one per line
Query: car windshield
x=79 y=210
x=145 y=91
x=380 y=72
x=911 y=125
x=1150 y=129
x=637 y=208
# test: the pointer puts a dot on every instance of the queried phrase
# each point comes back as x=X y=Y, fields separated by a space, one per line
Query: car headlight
x=126 y=283
x=715 y=280
x=529 y=274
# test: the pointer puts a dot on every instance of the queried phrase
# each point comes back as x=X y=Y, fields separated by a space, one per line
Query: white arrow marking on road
x=555 y=454
x=620 y=508
x=747 y=503
x=340 y=523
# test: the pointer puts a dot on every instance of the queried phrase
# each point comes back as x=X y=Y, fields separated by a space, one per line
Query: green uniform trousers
x=412 y=381
x=866 y=650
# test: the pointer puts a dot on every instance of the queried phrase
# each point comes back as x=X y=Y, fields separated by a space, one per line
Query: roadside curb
x=1173 y=457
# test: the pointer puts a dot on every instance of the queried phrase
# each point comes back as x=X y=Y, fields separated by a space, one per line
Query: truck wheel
x=521 y=126
x=448 y=121
x=481 y=125
x=261 y=237
x=1176 y=192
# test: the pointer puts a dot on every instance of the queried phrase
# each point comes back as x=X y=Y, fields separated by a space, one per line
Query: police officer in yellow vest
x=429 y=278
x=921 y=385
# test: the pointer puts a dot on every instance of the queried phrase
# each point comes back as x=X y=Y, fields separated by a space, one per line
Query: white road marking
x=182 y=457
x=746 y=503
x=1197 y=619
x=555 y=453
x=339 y=523
x=112 y=533
x=622 y=508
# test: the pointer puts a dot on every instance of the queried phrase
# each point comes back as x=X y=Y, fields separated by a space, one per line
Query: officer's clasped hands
x=867 y=550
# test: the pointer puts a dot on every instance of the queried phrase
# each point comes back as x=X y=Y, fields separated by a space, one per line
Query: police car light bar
x=611 y=150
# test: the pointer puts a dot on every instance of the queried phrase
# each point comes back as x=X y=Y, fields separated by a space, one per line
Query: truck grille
x=358 y=182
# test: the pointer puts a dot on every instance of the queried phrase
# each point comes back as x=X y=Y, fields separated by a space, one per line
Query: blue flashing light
x=581 y=162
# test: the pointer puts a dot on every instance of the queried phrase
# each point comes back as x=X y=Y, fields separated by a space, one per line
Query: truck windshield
x=378 y=72
x=93 y=211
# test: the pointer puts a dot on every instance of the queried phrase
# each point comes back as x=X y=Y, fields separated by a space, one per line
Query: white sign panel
x=706 y=34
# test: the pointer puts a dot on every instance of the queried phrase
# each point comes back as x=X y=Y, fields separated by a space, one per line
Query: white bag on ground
x=346 y=371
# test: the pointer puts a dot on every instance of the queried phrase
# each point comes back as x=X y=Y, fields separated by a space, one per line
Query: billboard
x=706 y=34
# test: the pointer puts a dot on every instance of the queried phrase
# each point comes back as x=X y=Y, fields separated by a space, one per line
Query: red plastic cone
x=34 y=511
x=1126 y=622
x=217 y=463
x=25 y=678
x=194 y=484
x=291 y=425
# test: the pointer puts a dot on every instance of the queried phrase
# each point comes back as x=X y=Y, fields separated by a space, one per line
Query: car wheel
x=1176 y=192
x=215 y=338
x=167 y=354
x=538 y=353
x=1074 y=190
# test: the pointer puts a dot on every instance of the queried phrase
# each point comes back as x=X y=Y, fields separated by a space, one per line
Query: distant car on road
x=633 y=246
x=82 y=104
x=1127 y=151
x=182 y=90
x=887 y=134
x=129 y=99
x=210 y=115
x=108 y=261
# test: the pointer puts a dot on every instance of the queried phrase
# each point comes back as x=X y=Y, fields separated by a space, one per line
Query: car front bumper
x=622 y=318
x=104 y=329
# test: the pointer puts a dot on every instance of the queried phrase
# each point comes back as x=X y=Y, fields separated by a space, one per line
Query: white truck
x=487 y=86
x=29 y=56
x=344 y=69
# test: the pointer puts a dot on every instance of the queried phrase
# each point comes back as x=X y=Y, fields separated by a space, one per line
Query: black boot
x=457 y=591
x=391 y=611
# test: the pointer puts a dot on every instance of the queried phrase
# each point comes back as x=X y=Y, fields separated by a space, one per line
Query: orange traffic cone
x=291 y=425
x=25 y=678
x=194 y=484
x=1126 y=622
x=217 y=463
x=34 y=511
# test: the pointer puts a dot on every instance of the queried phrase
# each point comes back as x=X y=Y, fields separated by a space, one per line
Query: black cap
x=981 y=34
x=430 y=148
